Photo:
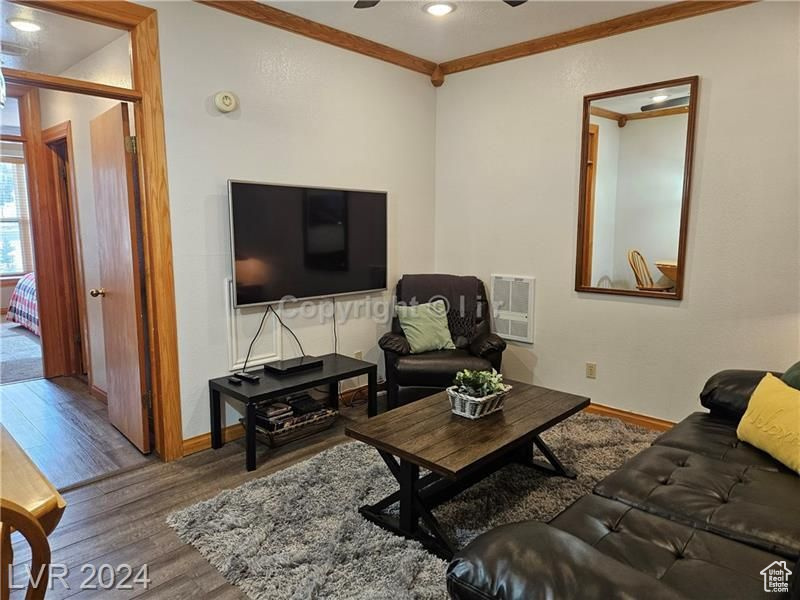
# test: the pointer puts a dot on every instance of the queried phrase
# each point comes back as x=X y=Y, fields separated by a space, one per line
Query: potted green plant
x=475 y=394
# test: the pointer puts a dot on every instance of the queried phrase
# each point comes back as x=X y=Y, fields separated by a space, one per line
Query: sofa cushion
x=534 y=561
x=727 y=393
x=715 y=437
x=748 y=504
x=437 y=369
x=695 y=563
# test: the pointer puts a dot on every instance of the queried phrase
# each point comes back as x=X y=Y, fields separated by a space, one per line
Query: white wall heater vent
x=513 y=303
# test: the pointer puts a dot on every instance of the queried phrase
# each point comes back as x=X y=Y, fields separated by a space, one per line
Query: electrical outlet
x=358 y=355
x=591 y=370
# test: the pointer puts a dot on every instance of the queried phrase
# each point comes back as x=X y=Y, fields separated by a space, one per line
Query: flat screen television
x=305 y=242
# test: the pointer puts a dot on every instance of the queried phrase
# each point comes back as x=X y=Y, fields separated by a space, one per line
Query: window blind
x=16 y=243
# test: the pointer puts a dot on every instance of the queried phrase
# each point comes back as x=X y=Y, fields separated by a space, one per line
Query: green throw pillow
x=425 y=327
x=792 y=376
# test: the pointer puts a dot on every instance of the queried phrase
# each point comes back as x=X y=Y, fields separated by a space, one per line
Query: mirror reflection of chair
x=644 y=281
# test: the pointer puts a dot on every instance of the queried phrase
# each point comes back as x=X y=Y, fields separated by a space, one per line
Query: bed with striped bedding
x=23 y=307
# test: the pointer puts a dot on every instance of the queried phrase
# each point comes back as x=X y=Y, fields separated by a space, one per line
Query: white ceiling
x=632 y=103
x=61 y=43
x=475 y=26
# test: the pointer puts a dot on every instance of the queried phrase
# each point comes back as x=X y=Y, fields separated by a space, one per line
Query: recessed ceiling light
x=24 y=25
x=439 y=9
x=660 y=98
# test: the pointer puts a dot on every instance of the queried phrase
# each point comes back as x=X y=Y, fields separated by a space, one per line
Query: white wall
x=310 y=114
x=109 y=65
x=507 y=157
x=605 y=201
x=652 y=154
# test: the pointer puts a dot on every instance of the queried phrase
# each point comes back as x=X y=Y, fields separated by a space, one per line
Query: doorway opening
x=45 y=67
x=88 y=413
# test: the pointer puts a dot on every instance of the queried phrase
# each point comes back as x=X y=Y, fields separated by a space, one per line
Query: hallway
x=65 y=430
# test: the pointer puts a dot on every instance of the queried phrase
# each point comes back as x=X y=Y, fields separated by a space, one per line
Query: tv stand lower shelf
x=271 y=388
x=286 y=435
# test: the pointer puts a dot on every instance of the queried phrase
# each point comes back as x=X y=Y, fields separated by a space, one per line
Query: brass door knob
x=95 y=292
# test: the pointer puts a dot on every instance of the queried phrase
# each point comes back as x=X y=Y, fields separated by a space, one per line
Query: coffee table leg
x=553 y=466
x=250 y=435
x=409 y=518
x=412 y=508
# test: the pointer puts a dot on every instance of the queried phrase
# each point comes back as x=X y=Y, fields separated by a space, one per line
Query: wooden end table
x=335 y=368
x=458 y=452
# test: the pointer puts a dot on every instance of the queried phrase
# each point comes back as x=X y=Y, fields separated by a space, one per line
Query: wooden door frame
x=588 y=208
x=62 y=134
x=142 y=24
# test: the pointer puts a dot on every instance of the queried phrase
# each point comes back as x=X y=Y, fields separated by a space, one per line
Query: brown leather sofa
x=698 y=514
x=413 y=376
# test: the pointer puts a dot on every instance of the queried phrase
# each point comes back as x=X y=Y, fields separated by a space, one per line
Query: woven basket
x=292 y=432
x=475 y=408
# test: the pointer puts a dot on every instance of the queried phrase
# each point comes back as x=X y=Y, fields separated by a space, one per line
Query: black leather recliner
x=413 y=376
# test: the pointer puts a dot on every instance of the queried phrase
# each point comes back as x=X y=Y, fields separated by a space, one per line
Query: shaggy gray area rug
x=297 y=534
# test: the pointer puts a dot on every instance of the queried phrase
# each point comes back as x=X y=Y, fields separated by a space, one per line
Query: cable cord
x=255 y=337
x=258 y=332
x=335 y=334
x=287 y=328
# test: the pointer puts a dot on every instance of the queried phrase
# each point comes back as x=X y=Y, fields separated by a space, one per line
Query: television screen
x=305 y=242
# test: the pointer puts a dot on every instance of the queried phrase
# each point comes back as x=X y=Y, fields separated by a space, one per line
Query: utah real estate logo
x=776 y=577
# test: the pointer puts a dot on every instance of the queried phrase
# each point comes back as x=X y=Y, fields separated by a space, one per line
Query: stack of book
x=292 y=412
x=274 y=416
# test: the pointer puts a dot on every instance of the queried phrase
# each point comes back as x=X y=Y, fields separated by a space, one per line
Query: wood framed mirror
x=636 y=165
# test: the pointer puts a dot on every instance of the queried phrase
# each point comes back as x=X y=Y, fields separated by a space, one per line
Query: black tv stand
x=281 y=368
x=270 y=388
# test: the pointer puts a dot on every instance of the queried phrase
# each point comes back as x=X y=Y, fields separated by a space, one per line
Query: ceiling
x=475 y=26
x=632 y=103
x=61 y=43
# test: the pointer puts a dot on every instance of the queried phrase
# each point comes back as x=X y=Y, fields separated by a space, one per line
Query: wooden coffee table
x=458 y=452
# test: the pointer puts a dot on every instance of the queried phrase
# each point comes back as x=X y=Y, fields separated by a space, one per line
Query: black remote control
x=247 y=377
x=234 y=381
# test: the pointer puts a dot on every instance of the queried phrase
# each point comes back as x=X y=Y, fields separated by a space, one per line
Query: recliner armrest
x=533 y=561
x=486 y=344
x=394 y=342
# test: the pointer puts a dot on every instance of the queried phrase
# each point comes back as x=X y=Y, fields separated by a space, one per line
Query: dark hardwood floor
x=65 y=430
x=121 y=519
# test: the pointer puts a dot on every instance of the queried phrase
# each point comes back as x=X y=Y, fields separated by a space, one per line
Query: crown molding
x=268 y=15
x=638 y=20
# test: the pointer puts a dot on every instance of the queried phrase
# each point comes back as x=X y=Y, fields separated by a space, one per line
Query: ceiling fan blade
x=365 y=3
x=514 y=3
x=682 y=101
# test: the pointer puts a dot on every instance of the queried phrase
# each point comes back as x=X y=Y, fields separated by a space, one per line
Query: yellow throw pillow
x=772 y=421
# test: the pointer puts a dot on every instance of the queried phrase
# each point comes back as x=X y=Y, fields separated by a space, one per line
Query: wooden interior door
x=58 y=140
x=120 y=275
